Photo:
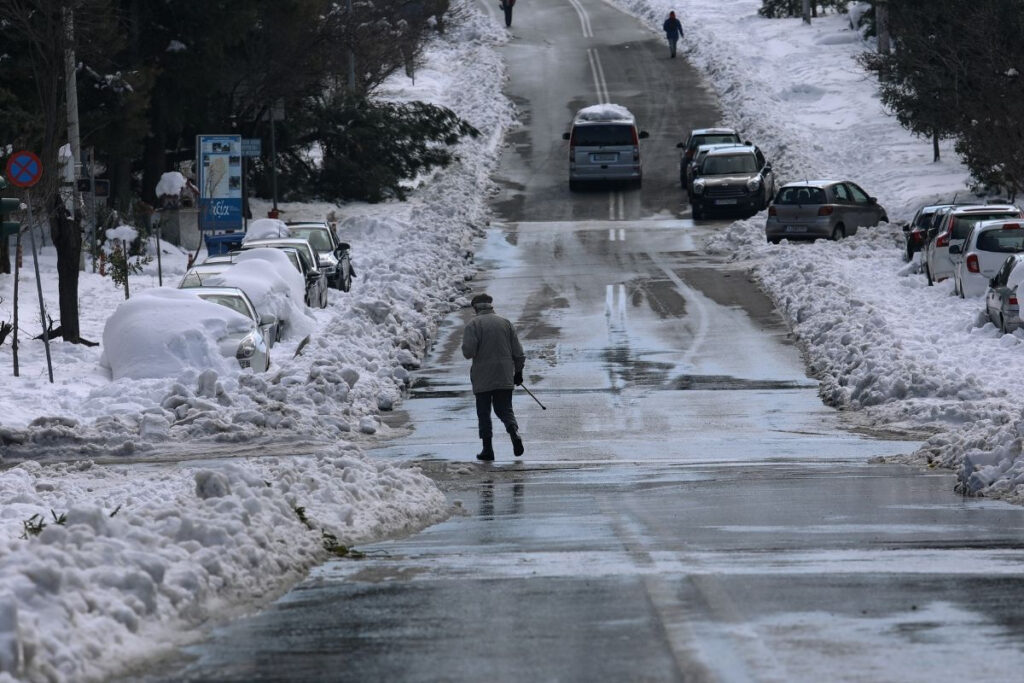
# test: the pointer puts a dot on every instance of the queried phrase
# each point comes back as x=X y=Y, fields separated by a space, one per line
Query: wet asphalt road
x=687 y=509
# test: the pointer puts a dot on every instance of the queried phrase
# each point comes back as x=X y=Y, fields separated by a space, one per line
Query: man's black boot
x=517 y=444
x=487 y=453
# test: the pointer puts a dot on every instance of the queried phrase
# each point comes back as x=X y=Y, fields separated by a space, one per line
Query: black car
x=698 y=137
x=735 y=179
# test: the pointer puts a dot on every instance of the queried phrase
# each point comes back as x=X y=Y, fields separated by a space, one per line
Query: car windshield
x=616 y=135
x=962 y=224
x=728 y=164
x=800 y=195
x=318 y=238
x=715 y=139
x=233 y=302
x=1004 y=240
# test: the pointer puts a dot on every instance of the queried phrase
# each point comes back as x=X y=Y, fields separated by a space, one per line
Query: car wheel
x=574 y=186
x=928 y=274
x=883 y=219
x=838 y=233
x=346 y=280
x=697 y=212
x=774 y=240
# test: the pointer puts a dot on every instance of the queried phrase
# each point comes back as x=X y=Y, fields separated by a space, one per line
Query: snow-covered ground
x=147 y=552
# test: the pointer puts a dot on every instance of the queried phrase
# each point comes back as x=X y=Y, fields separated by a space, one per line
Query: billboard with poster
x=219 y=164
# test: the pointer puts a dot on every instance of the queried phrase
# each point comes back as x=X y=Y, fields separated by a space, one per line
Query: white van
x=604 y=144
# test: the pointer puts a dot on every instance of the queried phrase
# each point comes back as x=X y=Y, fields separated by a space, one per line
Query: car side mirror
x=313 y=276
x=268 y=319
x=767 y=165
x=680 y=145
x=955 y=249
x=644 y=134
x=565 y=136
x=873 y=200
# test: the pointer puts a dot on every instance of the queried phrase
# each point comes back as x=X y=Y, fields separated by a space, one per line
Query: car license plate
x=604 y=157
x=795 y=228
x=725 y=202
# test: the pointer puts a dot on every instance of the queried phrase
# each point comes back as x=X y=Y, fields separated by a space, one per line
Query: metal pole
x=159 y=264
x=351 y=54
x=39 y=285
x=17 y=273
x=273 y=160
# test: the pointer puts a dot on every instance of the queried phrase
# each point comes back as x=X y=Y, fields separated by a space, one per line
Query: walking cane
x=542 y=406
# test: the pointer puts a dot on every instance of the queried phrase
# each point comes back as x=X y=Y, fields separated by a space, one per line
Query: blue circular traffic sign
x=24 y=169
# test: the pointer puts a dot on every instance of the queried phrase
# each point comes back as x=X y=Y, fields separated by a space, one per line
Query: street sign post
x=24 y=170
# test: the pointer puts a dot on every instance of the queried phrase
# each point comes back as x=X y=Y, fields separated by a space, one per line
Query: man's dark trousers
x=501 y=399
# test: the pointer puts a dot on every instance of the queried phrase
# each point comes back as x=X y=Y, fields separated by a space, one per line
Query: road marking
x=694 y=301
x=616 y=206
x=588 y=32
x=616 y=234
x=600 y=85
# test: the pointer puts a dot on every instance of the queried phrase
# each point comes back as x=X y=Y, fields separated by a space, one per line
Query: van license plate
x=723 y=202
x=604 y=157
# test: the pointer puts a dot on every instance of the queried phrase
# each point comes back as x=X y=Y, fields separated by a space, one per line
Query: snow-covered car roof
x=982 y=208
x=713 y=131
x=724 y=150
x=604 y=113
x=814 y=183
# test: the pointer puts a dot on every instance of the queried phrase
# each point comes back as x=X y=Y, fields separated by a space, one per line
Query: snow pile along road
x=102 y=565
x=881 y=341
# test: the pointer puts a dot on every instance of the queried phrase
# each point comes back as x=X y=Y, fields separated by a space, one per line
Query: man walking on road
x=493 y=345
x=673 y=31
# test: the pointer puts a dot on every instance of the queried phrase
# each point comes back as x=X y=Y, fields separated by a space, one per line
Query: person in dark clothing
x=506 y=7
x=493 y=345
x=673 y=31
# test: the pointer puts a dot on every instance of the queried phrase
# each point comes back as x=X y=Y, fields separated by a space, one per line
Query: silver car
x=815 y=209
x=333 y=254
x=604 y=145
x=1001 y=303
x=250 y=347
x=983 y=253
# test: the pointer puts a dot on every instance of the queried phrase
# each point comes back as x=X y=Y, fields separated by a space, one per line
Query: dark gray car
x=1001 y=304
x=813 y=209
x=734 y=178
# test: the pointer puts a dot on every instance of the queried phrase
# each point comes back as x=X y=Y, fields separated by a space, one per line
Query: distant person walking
x=493 y=345
x=673 y=31
x=506 y=7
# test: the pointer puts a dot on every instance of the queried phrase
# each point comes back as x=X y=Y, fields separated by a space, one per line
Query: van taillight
x=1013 y=300
x=825 y=211
x=972 y=263
x=636 y=139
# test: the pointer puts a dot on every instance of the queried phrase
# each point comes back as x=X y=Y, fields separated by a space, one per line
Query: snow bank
x=166 y=332
x=112 y=565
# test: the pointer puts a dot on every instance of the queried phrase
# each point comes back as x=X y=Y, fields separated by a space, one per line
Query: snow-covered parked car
x=269 y=279
x=316 y=279
x=983 y=253
x=163 y=332
x=1001 y=304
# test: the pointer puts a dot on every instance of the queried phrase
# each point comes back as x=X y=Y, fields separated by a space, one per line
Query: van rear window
x=1007 y=241
x=603 y=136
x=800 y=195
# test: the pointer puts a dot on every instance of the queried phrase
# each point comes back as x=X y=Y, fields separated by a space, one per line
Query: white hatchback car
x=955 y=224
x=983 y=254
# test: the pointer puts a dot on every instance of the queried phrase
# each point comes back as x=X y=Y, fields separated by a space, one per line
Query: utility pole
x=71 y=81
x=882 y=26
x=807 y=11
x=351 y=55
